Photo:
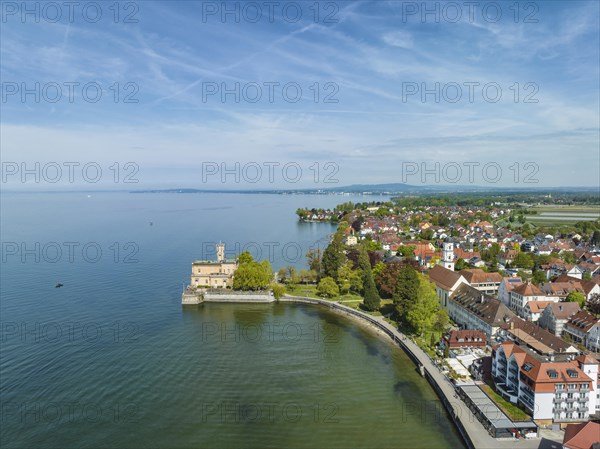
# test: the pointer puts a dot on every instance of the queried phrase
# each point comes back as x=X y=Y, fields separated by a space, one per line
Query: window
x=527 y=367
x=552 y=373
x=572 y=373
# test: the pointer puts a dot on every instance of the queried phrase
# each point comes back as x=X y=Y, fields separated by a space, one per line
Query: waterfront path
x=473 y=432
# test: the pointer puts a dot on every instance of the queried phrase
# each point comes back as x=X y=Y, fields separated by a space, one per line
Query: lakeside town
x=503 y=297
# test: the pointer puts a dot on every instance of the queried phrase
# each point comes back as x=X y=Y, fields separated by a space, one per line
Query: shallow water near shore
x=112 y=359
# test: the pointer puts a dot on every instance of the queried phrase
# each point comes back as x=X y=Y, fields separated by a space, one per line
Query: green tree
x=302 y=213
x=577 y=297
x=371 y=301
x=586 y=276
x=307 y=276
x=422 y=314
x=523 y=260
x=313 y=257
x=568 y=257
x=407 y=290
x=245 y=257
x=441 y=320
x=252 y=275
x=407 y=250
x=538 y=277
x=328 y=288
x=334 y=256
x=278 y=290
x=377 y=270
x=460 y=264
x=282 y=274
x=292 y=275
x=427 y=234
x=344 y=276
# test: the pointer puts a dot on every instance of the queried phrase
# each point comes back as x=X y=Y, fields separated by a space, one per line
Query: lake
x=112 y=359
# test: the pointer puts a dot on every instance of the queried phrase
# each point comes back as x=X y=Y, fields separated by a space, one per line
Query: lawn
x=350 y=300
x=511 y=410
x=311 y=292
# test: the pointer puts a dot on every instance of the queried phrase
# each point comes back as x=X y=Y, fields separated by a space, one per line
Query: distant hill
x=389 y=189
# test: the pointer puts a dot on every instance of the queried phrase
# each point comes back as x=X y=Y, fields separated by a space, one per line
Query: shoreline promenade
x=472 y=431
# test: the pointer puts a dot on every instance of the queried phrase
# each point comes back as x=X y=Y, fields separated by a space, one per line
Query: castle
x=214 y=274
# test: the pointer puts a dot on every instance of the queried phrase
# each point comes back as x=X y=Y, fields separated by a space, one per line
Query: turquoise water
x=112 y=359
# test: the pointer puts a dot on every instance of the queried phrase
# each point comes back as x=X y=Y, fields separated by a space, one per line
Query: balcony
x=572 y=399
x=527 y=401
x=526 y=390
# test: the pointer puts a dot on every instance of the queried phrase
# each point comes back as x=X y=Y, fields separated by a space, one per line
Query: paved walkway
x=477 y=436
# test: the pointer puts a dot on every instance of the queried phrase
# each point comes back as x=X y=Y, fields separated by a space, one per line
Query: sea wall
x=200 y=296
x=231 y=296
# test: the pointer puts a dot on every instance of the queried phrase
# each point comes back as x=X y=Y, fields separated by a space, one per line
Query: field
x=563 y=215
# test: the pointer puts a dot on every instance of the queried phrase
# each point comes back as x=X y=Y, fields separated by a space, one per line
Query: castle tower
x=220 y=252
x=448 y=256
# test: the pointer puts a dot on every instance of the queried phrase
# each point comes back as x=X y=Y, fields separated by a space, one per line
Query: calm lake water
x=112 y=359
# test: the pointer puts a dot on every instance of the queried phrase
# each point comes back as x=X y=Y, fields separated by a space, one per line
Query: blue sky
x=369 y=56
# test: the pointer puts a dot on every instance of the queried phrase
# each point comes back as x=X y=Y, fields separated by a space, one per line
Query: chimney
x=482 y=298
x=512 y=325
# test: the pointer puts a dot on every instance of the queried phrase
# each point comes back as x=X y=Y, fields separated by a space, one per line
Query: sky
x=259 y=95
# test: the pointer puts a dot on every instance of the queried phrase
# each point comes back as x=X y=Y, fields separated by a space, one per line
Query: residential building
x=481 y=280
x=506 y=286
x=552 y=388
x=524 y=293
x=560 y=290
x=526 y=333
x=534 y=309
x=555 y=316
x=583 y=327
x=473 y=309
x=464 y=339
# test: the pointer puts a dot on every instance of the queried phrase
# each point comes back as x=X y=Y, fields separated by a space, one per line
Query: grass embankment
x=511 y=410
x=349 y=299
x=310 y=291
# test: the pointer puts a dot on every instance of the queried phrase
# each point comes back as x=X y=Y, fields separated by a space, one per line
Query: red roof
x=581 y=436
